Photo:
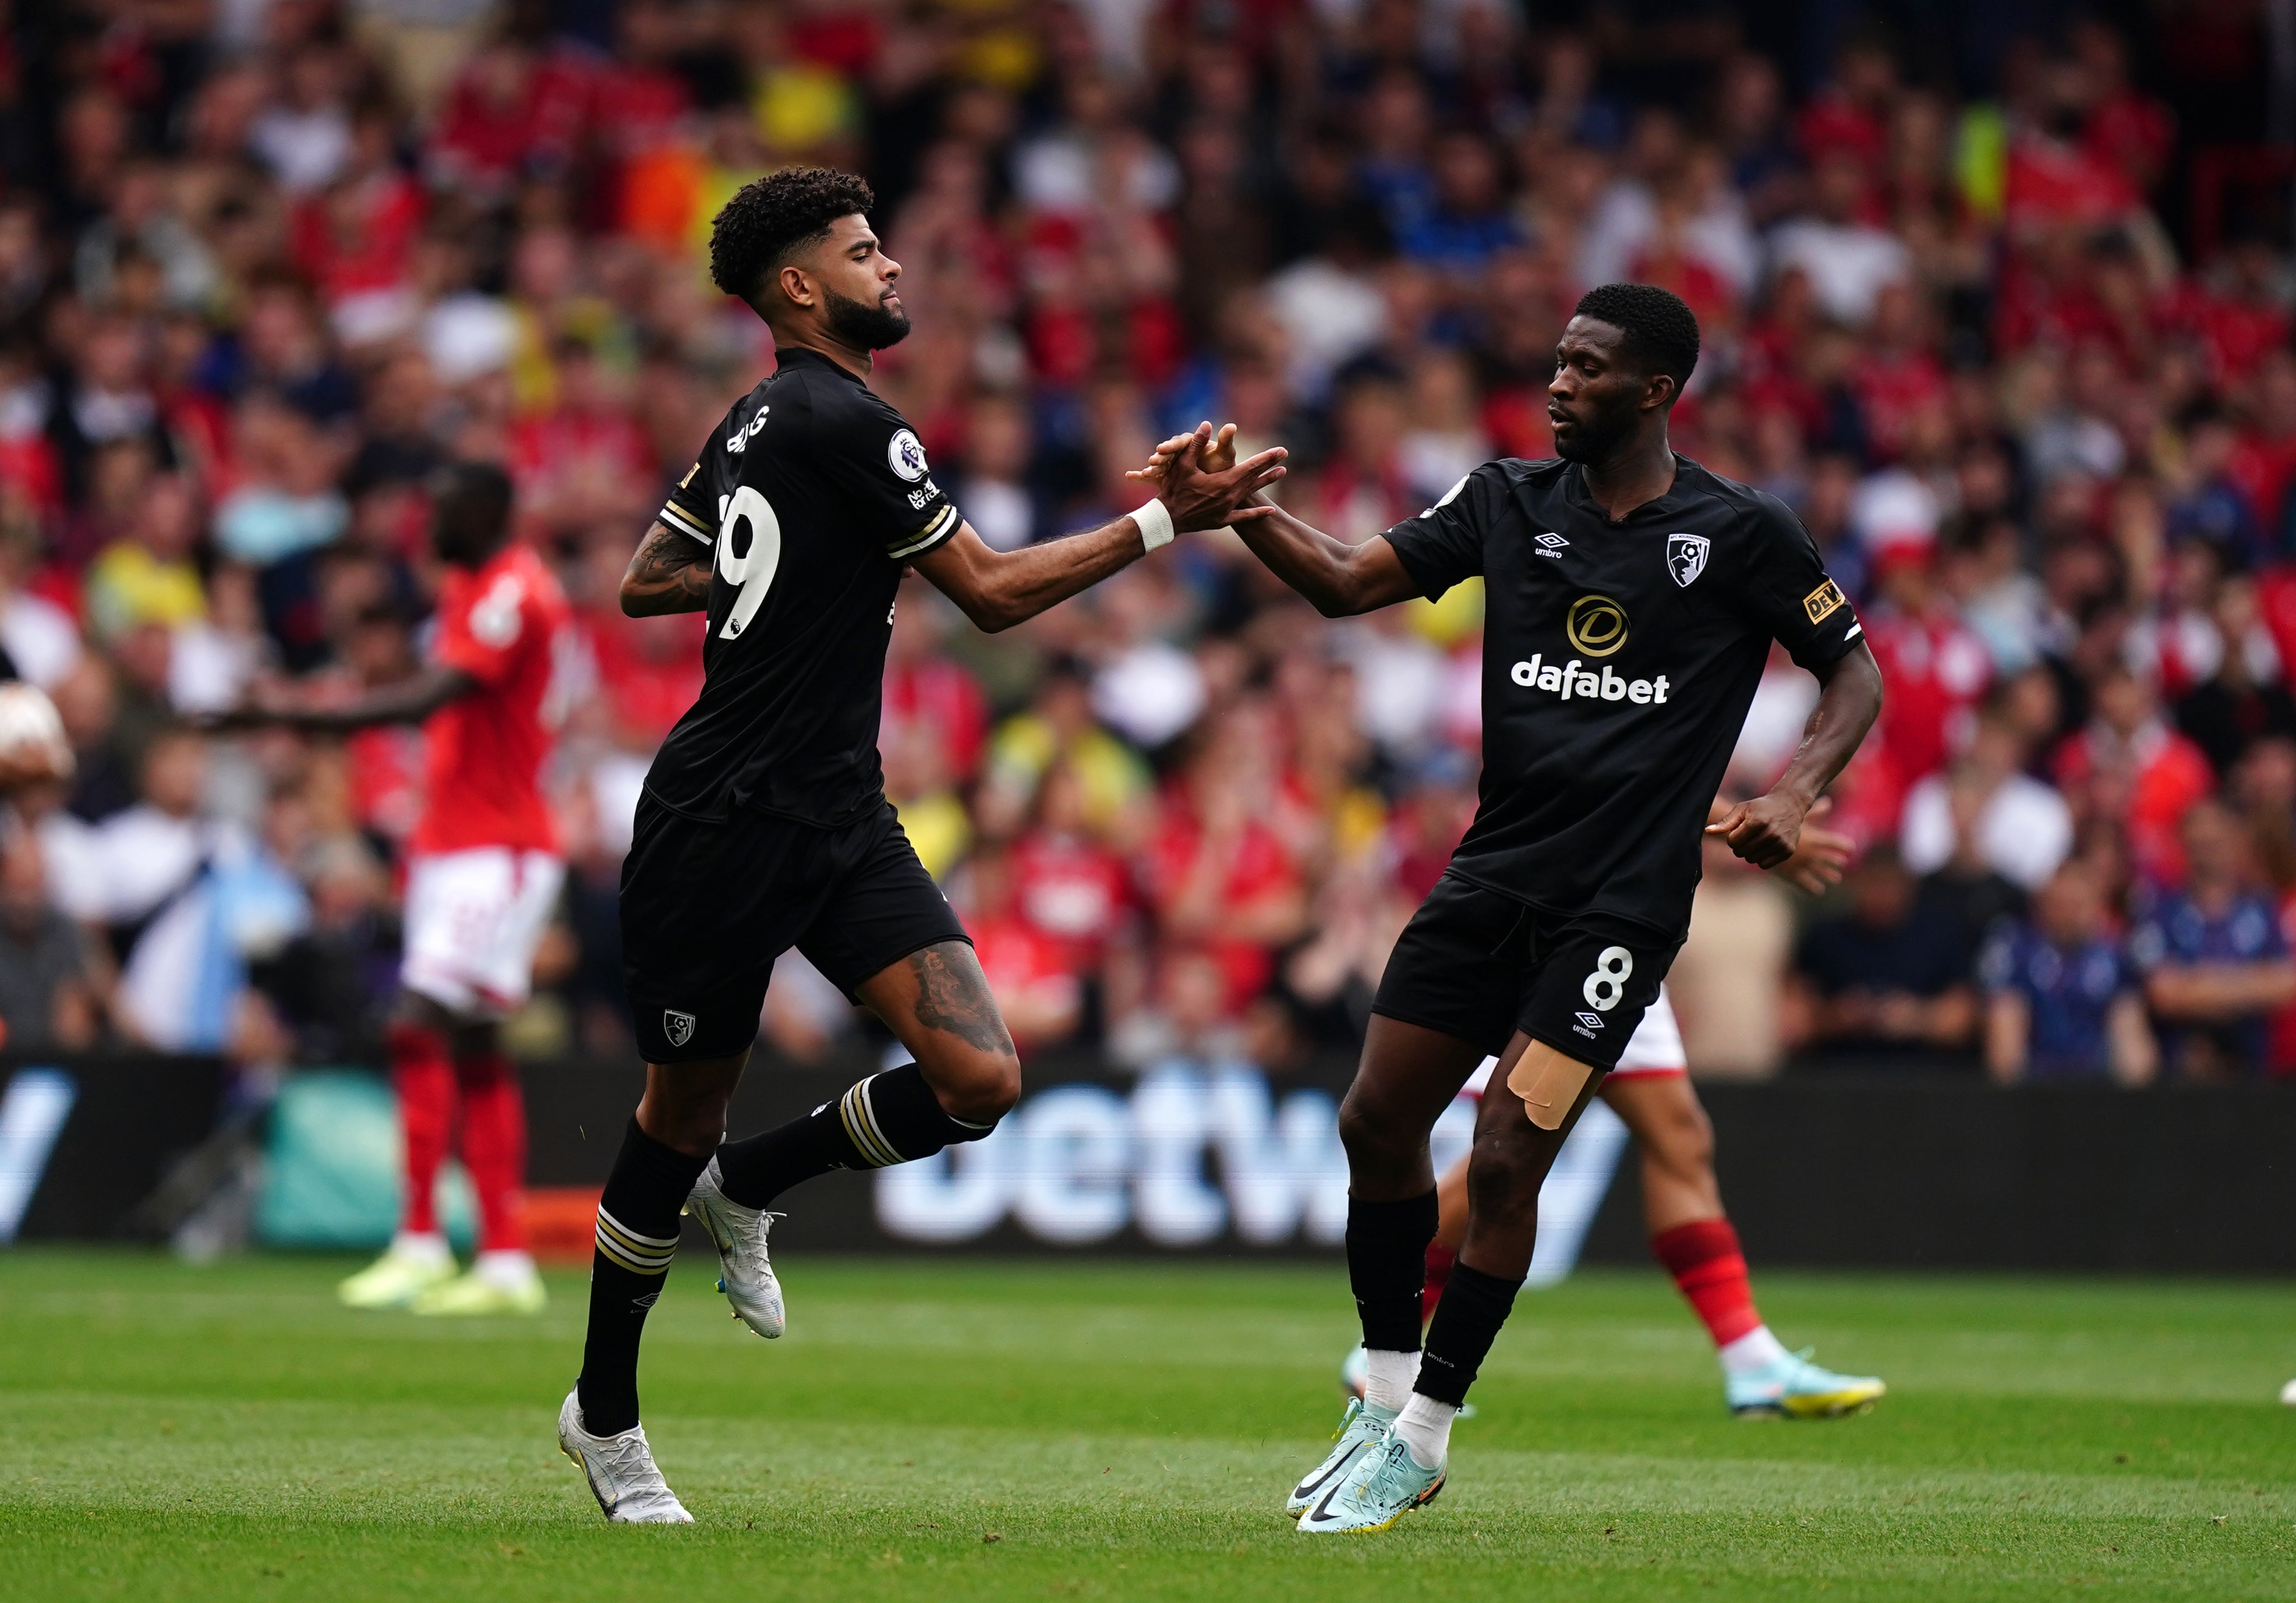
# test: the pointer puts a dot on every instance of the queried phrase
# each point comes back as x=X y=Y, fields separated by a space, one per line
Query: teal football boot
x=1385 y=1484
x=1790 y=1386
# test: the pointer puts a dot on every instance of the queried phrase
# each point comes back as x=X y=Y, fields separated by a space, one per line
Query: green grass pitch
x=950 y=1429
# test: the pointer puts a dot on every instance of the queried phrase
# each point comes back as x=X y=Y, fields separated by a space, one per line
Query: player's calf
x=637 y=1239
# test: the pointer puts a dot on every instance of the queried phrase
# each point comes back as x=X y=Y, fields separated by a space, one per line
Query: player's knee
x=985 y=1090
x=690 y=1118
x=1504 y=1174
x=1685 y=1142
x=1365 y=1135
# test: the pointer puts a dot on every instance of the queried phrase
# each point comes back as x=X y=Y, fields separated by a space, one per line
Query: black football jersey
x=811 y=495
x=1619 y=661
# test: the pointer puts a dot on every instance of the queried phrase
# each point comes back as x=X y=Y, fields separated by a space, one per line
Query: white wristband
x=1155 y=521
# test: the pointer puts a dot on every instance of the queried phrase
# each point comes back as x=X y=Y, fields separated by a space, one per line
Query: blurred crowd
x=2004 y=316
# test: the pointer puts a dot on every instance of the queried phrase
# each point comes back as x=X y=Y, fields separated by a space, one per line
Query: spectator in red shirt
x=2125 y=128
x=517 y=107
x=1036 y=986
x=1852 y=113
x=928 y=696
x=1897 y=373
x=1217 y=873
x=355 y=239
x=1068 y=885
x=1936 y=667
x=583 y=463
x=2130 y=768
x=2263 y=464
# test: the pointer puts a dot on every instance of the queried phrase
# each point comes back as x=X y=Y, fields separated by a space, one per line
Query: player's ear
x=1659 y=393
x=794 y=284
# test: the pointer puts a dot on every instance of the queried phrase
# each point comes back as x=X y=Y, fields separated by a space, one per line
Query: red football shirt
x=483 y=753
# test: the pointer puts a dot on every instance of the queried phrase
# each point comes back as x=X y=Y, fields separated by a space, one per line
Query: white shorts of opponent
x=1655 y=1048
x=473 y=921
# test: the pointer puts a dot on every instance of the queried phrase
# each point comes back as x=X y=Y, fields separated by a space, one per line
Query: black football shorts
x=1478 y=965
x=708 y=907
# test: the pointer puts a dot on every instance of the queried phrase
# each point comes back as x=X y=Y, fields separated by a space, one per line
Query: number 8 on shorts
x=1608 y=983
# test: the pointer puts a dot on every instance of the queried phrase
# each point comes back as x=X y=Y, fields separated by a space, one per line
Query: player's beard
x=1597 y=435
x=860 y=323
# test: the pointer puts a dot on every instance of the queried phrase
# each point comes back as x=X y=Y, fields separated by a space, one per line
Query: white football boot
x=744 y=1273
x=620 y=1470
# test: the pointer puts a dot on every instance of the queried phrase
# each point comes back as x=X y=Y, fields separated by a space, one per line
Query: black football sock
x=637 y=1237
x=888 y=1118
x=1467 y=1320
x=1387 y=1268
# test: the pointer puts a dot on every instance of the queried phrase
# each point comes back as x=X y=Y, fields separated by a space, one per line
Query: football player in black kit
x=1631 y=597
x=764 y=823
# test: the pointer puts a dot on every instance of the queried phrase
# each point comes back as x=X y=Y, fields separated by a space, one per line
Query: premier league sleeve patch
x=905 y=456
x=1686 y=557
x=1824 y=602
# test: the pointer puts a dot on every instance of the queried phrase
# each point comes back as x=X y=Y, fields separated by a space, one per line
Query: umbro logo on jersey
x=1686 y=557
x=678 y=1026
x=1593 y=1021
x=738 y=440
x=1550 y=544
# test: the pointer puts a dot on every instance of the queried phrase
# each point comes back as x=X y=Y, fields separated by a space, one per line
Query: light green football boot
x=476 y=1296
x=1385 y=1483
x=1362 y=1425
x=395 y=1280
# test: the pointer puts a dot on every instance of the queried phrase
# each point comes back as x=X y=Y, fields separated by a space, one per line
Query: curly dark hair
x=770 y=216
x=1660 y=330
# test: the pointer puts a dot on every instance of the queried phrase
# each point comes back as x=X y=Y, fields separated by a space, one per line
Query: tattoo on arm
x=670 y=573
x=952 y=995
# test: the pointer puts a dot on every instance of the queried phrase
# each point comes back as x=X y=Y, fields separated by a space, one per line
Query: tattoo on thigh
x=953 y=996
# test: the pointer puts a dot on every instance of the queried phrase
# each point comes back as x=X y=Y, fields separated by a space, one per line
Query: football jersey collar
x=787 y=357
x=1677 y=494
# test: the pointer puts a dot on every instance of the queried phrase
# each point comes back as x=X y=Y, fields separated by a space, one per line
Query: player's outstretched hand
x=265 y=706
x=1819 y=857
x=1216 y=457
x=1764 y=831
x=1199 y=499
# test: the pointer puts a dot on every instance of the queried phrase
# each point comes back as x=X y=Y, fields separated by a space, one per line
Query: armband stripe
x=943 y=525
x=685 y=523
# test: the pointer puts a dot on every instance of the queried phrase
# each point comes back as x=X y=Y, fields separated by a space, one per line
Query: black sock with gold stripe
x=888 y=1118
x=636 y=1237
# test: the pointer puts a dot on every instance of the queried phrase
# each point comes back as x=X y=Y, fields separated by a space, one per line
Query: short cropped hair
x=1660 y=330
x=769 y=217
x=477 y=496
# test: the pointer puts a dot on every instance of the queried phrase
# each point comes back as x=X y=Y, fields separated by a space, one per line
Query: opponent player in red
x=482 y=878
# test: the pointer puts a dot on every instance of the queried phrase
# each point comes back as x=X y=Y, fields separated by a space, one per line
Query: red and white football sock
x=425 y=1085
x=1705 y=1261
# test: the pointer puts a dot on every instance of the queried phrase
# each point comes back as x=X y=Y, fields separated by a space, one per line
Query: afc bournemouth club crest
x=1686 y=557
x=678 y=1026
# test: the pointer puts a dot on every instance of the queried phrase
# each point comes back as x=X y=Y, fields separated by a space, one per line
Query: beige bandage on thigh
x=1548 y=1083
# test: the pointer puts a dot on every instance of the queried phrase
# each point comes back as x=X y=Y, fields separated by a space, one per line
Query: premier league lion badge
x=1686 y=557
